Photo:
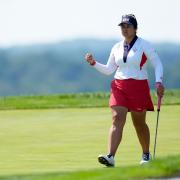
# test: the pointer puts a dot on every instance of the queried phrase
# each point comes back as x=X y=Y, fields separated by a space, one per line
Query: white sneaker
x=106 y=160
x=146 y=157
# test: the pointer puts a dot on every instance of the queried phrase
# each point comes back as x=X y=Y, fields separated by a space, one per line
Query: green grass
x=74 y=100
x=66 y=140
x=166 y=167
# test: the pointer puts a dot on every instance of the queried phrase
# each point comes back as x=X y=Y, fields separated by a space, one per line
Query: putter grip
x=159 y=103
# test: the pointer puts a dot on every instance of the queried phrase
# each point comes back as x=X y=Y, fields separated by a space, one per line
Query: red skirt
x=131 y=93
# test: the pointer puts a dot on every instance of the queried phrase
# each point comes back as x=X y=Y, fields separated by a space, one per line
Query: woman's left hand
x=160 y=89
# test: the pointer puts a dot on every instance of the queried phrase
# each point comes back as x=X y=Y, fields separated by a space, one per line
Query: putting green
x=70 y=139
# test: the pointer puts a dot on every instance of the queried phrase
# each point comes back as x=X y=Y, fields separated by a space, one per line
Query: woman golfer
x=129 y=89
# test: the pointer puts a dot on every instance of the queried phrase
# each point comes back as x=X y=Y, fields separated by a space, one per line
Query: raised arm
x=107 y=69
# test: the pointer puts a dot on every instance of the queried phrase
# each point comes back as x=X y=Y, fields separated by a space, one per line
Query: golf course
x=42 y=140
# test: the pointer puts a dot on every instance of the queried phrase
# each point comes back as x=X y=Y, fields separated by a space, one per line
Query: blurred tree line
x=61 y=68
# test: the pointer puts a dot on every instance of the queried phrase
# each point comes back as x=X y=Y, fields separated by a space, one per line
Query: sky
x=43 y=21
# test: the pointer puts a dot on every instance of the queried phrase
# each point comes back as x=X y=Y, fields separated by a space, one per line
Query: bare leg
x=142 y=130
x=115 y=134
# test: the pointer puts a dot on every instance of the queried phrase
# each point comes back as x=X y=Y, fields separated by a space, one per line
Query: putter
x=158 y=110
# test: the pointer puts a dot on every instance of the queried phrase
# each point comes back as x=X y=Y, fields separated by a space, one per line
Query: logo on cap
x=125 y=19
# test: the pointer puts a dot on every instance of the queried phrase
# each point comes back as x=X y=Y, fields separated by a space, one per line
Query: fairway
x=58 y=140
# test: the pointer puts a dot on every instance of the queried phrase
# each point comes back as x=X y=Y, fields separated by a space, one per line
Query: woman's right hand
x=89 y=58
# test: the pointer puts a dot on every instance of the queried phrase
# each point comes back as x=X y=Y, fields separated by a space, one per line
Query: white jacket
x=135 y=67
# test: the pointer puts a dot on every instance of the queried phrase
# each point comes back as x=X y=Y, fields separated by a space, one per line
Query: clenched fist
x=89 y=58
